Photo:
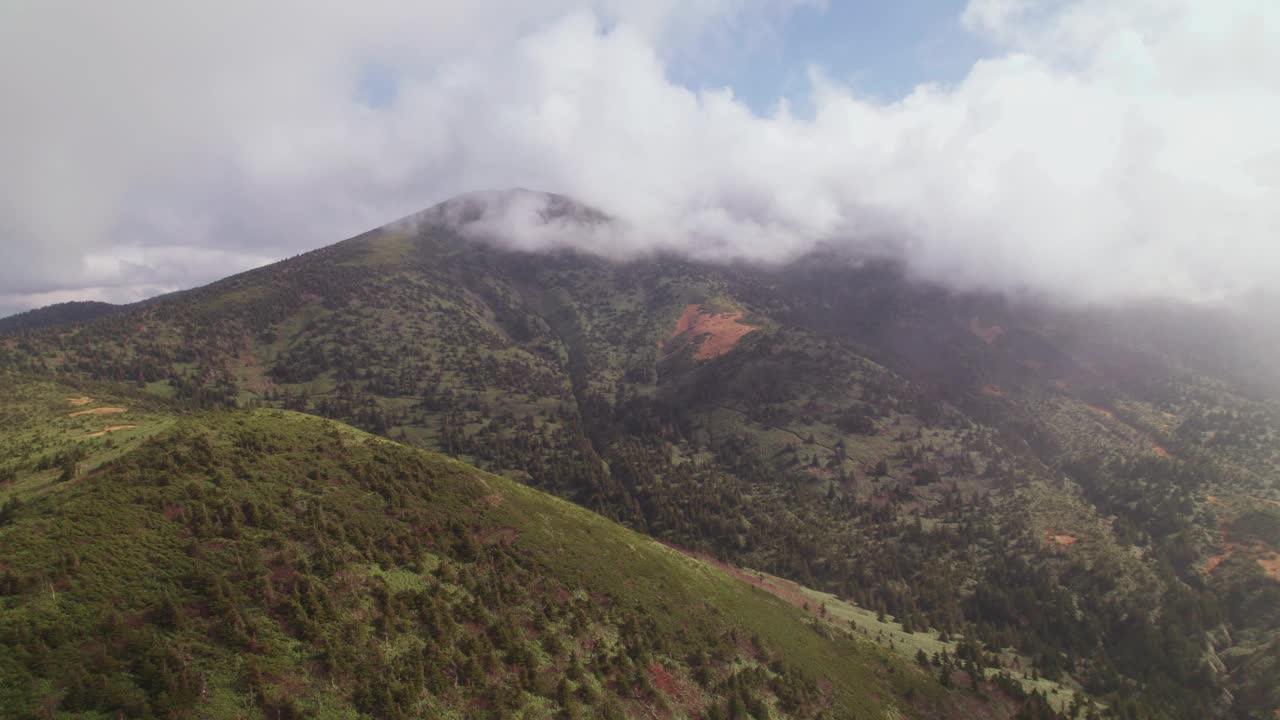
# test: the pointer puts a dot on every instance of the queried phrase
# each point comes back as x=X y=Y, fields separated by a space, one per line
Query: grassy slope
x=93 y=569
x=885 y=631
x=46 y=424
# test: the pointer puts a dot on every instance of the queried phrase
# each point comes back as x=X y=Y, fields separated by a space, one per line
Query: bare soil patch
x=988 y=333
x=1063 y=540
x=715 y=333
x=686 y=320
x=1213 y=562
x=79 y=401
x=1161 y=451
x=1267 y=559
x=110 y=429
x=1031 y=364
x=99 y=411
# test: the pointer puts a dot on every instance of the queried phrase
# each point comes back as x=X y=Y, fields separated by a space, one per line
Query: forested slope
x=1038 y=479
x=264 y=561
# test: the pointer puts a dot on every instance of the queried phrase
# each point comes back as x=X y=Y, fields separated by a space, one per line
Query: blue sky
x=881 y=49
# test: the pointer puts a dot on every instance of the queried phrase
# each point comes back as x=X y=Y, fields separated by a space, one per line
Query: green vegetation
x=1037 y=482
x=269 y=561
x=53 y=432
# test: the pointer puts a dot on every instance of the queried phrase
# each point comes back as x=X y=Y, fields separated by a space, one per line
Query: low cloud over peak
x=1102 y=151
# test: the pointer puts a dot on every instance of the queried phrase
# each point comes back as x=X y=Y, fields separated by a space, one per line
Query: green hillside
x=241 y=562
x=1064 y=486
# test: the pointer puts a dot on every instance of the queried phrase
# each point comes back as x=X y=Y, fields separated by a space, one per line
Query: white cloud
x=1112 y=149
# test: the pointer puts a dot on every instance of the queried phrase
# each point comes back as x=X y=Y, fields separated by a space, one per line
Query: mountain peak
x=514 y=207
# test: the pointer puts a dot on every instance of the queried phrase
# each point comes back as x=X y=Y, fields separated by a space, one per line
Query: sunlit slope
x=271 y=562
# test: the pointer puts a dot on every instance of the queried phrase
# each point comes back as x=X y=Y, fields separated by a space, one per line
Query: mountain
x=166 y=565
x=1078 y=493
x=58 y=314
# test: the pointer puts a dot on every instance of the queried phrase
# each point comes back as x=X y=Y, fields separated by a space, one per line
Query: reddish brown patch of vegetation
x=1101 y=411
x=1161 y=451
x=715 y=333
x=988 y=334
x=1031 y=364
x=1211 y=499
x=991 y=390
x=662 y=679
x=173 y=512
x=682 y=694
x=1062 y=383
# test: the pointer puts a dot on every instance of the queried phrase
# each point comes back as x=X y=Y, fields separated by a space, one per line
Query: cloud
x=1106 y=150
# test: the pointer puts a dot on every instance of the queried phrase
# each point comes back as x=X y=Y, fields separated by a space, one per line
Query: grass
x=39 y=431
x=887 y=632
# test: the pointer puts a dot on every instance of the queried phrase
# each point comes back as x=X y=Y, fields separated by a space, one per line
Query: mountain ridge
x=226 y=544
x=914 y=450
x=55 y=314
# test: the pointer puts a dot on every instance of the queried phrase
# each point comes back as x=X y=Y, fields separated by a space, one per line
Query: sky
x=1085 y=150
